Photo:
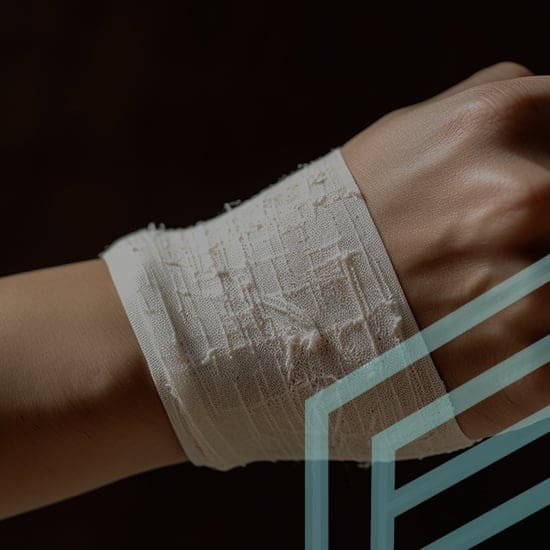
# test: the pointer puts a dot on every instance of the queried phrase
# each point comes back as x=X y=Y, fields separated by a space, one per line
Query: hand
x=459 y=188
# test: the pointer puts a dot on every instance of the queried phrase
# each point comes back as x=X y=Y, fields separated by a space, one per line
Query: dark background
x=114 y=115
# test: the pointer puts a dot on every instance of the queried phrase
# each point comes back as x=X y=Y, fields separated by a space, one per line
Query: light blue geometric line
x=480 y=456
x=470 y=393
x=382 y=517
x=386 y=443
x=436 y=335
x=316 y=480
x=496 y=520
x=387 y=503
x=319 y=406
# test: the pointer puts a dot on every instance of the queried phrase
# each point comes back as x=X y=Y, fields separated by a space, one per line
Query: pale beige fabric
x=244 y=316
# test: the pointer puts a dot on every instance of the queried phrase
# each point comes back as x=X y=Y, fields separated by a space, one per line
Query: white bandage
x=242 y=317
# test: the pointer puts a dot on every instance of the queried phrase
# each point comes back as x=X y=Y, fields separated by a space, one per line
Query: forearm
x=78 y=408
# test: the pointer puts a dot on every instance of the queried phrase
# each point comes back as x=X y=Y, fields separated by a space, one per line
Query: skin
x=78 y=408
x=458 y=187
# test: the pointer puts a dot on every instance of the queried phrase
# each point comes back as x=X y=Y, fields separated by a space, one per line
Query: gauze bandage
x=242 y=317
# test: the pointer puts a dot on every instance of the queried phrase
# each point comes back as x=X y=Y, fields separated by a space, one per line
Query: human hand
x=459 y=188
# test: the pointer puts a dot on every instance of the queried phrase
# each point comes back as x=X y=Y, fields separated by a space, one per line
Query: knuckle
x=484 y=107
x=511 y=69
x=503 y=103
x=505 y=110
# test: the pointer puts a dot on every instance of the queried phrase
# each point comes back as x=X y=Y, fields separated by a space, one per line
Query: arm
x=78 y=408
x=459 y=208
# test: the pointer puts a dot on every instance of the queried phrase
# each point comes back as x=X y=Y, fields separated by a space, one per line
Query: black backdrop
x=114 y=115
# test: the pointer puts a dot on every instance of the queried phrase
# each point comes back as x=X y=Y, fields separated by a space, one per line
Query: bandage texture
x=242 y=317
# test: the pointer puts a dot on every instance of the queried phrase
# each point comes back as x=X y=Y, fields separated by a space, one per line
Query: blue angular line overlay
x=388 y=501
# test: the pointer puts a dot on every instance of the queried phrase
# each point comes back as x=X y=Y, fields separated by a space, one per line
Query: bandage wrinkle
x=242 y=317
